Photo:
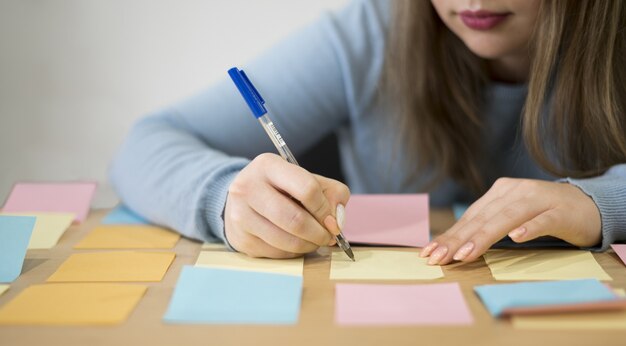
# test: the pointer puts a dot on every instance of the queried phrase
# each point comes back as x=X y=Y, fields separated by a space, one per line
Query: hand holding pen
x=276 y=208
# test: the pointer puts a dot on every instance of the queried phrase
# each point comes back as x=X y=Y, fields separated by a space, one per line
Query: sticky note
x=51 y=197
x=121 y=215
x=237 y=261
x=3 y=288
x=459 y=210
x=114 y=266
x=49 y=227
x=544 y=265
x=218 y=296
x=15 y=232
x=620 y=250
x=502 y=297
x=382 y=265
x=213 y=246
x=433 y=304
x=388 y=220
x=129 y=237
x=580 y=321
x=76 y=304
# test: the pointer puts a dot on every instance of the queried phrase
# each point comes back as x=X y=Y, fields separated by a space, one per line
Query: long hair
x=573 y=121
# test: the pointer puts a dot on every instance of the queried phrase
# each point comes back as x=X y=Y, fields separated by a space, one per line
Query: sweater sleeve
x=176 y=165
x=608 y=191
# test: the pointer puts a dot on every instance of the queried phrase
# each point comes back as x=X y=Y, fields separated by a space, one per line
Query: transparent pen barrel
x=277 y=139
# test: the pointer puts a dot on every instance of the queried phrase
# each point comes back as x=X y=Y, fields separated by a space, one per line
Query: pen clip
x=248 y=91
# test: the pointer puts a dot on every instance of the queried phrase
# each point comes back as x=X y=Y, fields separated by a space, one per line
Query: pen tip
x=350 y=254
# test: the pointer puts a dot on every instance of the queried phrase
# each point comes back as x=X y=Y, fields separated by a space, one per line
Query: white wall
x=75 y=74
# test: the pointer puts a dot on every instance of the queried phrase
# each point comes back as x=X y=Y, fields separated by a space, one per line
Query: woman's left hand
x=524 y=209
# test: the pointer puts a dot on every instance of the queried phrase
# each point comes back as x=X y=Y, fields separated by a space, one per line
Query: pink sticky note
x=620 y=250
x=388 y=220
x=51 y=197
x=433 y=304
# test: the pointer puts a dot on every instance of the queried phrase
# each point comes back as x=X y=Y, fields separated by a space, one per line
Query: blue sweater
x=176 y=165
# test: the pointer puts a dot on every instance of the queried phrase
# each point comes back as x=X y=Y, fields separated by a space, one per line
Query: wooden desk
x=315 y=327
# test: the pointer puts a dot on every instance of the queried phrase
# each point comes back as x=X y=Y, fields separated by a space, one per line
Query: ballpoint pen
x=257 y=106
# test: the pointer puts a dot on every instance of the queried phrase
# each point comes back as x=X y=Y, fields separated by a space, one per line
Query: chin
x=487 y=49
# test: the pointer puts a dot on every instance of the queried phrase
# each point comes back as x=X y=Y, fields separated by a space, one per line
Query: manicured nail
x=517 y=233
x=428 y=249
x=332 y=242
x=438 y=255
x=463 y=251
x=341 y=216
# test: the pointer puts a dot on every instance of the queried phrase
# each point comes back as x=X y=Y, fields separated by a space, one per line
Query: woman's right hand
x=277 y=209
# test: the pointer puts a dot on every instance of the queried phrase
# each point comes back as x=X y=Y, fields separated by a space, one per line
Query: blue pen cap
x=248 y=91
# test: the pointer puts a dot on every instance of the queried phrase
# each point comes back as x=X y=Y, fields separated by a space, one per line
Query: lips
x=482 y=20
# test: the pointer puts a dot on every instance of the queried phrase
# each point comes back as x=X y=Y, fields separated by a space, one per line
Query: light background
x=75 y=74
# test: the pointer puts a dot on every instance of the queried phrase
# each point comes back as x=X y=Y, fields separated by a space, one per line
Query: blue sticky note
x=497 y=298
x=220 y=296
x=459 y=210
x=15 y=232
x=121 y=215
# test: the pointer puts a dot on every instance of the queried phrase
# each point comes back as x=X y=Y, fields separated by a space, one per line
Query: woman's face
x=492 y=29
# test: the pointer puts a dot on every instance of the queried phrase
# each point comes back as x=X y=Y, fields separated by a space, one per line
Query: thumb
x=338 y=195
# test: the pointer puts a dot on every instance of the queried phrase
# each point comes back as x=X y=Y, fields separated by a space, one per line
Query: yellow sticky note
x=49 y=227
x=575 y=321
x=72 y=304
x=544 y=265
x=213 y=246
x=237 y=261
x=382 y=265
x=3 y=288
x=114 y=267
x=129 y=237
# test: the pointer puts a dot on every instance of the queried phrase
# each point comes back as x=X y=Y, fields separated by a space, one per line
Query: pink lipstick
x=482 y=20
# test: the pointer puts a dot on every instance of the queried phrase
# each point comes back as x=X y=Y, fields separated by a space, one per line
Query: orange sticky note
x=114 y=267
x=129 y=237
x=72 y=304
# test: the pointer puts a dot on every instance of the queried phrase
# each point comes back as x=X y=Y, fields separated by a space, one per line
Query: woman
x=448 y=96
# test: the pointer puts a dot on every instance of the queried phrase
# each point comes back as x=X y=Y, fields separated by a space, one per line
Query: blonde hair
x=574 y=120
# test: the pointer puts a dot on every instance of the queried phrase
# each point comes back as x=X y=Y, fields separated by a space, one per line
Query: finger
x=542 y=225
x=449 y=243
x=288 y=215
x=255 y=247
x=276 y=237
x=500 y=188
x=338 y=195
x=246 y=243
x=483 y=236
x=488 y=226
x=336 y=192
x=299 y=184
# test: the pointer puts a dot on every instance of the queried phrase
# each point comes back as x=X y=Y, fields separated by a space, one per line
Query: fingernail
x=428 y=249
x=341 y=216
x=517 y=233
x=438 y=255
x=463 y=251
x=332 y=242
